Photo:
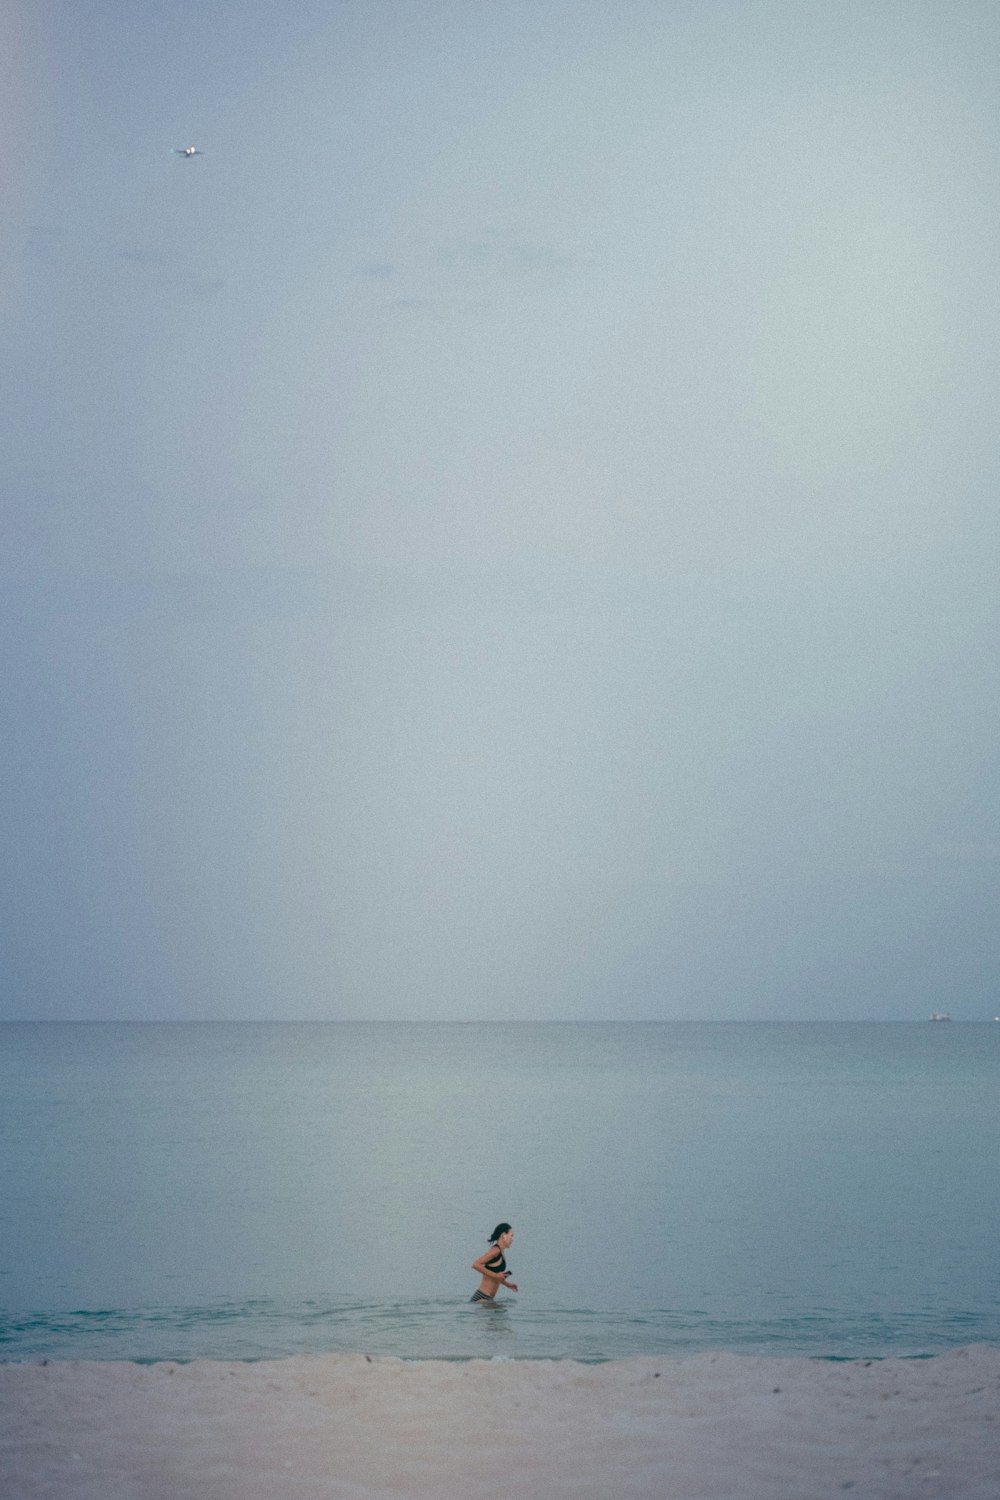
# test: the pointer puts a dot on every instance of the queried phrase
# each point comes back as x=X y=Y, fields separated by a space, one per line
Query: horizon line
x=482 y=1021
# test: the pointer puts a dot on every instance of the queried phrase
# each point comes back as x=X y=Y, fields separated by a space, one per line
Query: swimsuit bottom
x=481 y=1297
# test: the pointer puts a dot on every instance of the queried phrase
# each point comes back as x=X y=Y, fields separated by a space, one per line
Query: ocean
x=246 y=1191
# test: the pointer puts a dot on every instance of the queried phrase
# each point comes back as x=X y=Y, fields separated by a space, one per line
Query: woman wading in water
x=492 y=1267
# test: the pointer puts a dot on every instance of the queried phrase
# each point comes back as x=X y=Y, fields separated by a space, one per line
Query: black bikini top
x=496 y=1263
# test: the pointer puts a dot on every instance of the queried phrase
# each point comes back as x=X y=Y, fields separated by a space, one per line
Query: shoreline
x=591 y=1362
x=366 y=1427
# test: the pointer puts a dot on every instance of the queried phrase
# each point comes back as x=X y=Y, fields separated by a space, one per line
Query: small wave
x=441 y=1329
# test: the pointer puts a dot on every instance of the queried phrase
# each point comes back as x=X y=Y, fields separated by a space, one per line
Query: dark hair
x=498 y=1231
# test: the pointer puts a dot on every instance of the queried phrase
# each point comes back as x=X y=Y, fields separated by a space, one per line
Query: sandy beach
x=350 y=1427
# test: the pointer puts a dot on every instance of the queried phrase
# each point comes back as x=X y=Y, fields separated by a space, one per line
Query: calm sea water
x=246 y=1191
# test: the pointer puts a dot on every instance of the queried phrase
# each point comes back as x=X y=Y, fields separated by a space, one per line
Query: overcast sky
x=511 y=529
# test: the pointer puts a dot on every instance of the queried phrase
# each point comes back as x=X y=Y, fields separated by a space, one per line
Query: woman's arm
x=500 y=1277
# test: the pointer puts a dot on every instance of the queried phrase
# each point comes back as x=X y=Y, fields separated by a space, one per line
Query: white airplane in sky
x=187 y=151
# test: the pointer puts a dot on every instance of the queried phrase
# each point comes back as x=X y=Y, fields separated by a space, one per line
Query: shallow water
x=241 y=1191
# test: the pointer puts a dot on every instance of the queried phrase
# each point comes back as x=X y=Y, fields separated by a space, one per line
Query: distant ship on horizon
x=940 y=1015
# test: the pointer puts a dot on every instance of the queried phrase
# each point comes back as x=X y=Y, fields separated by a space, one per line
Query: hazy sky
x=511 y=530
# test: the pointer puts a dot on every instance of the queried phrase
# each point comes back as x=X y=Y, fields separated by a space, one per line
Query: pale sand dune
x=350 y=1428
